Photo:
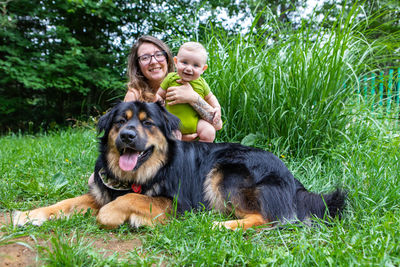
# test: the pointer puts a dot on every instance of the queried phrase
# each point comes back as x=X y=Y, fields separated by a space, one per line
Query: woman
x=149 y=62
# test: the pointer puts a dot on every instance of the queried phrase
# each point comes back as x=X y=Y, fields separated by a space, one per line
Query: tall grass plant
x=289 y=90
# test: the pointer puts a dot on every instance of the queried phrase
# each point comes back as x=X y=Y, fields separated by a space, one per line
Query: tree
x=59 y=58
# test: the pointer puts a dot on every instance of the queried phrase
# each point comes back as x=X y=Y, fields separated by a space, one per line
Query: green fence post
x=397 y=97
x=398 y=88
x=365 y=88
x=373 y=90
x=389 y=90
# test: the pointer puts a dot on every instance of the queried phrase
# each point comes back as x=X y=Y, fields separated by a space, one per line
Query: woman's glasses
x=159 y=56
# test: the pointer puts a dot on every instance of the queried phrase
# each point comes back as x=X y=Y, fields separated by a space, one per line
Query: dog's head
x=135 y=140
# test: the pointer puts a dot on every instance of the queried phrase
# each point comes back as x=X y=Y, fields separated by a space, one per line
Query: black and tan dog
x=142 y=168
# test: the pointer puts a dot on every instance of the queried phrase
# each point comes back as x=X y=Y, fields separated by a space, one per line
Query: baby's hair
x=194 y=46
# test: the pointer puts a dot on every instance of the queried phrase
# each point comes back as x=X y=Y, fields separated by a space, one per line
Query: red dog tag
x=137 y=188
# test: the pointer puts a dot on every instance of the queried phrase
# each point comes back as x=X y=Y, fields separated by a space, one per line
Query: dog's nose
x=128 y=136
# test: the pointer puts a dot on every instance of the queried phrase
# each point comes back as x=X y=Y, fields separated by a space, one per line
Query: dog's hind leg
x=137 y=209
x=61 y=209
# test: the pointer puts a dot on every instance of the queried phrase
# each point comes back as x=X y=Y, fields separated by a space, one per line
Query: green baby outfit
x=188 y=116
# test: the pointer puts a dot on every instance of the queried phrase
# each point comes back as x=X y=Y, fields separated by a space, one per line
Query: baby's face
x=190 y=65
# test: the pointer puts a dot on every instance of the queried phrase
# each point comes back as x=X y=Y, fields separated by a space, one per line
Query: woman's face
x=155 y=71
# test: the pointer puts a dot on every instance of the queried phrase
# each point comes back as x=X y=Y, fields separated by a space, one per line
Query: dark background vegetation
x=66 y=60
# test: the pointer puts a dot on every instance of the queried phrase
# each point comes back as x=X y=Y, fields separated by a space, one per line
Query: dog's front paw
x=35 y=217
x=111 y=217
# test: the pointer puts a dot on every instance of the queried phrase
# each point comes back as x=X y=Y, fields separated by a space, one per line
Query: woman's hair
x=136 y=78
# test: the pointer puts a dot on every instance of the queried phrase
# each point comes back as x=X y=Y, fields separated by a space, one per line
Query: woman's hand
x=181 y=94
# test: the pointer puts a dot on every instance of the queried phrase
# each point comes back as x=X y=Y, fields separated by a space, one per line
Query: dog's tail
x=319 y=205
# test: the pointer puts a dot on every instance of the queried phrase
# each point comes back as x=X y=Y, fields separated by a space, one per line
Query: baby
x=190 y=64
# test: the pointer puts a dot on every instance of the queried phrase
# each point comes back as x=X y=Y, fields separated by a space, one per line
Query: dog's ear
x=172 y=122
x=105 y=121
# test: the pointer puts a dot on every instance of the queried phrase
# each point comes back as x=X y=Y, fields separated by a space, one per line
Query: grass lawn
x=42 y=169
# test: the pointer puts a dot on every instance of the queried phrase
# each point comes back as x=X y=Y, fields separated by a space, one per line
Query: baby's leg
x=178 y=134
x=205 y=131
x=189 y=137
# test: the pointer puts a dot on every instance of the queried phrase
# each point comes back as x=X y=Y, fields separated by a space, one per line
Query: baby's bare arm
x=212 y=100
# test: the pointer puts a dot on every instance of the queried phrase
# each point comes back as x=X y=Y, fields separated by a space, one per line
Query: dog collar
x=114 y=184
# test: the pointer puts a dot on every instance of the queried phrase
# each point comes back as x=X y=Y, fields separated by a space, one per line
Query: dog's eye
x=121 y=121
x=148 y=123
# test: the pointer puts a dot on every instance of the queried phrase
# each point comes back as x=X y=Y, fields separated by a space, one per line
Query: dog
x=143 y=173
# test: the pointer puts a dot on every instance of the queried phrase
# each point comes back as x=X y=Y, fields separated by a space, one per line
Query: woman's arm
x=131 y=95
x=160 y=95
x=185 y=94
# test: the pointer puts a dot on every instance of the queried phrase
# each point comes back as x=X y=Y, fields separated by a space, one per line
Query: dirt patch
x=17 y=254
x=112 y=245
x=23 y=252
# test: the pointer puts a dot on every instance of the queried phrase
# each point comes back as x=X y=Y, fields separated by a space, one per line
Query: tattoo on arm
x=205 y=111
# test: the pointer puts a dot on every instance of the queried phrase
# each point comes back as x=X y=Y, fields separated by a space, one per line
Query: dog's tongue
x=128 y=161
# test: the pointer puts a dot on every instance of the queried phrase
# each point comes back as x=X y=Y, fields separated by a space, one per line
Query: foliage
x=290 y=92
x=380 y=21
x=59 y=58
x=62 y=60
x=54 y=63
